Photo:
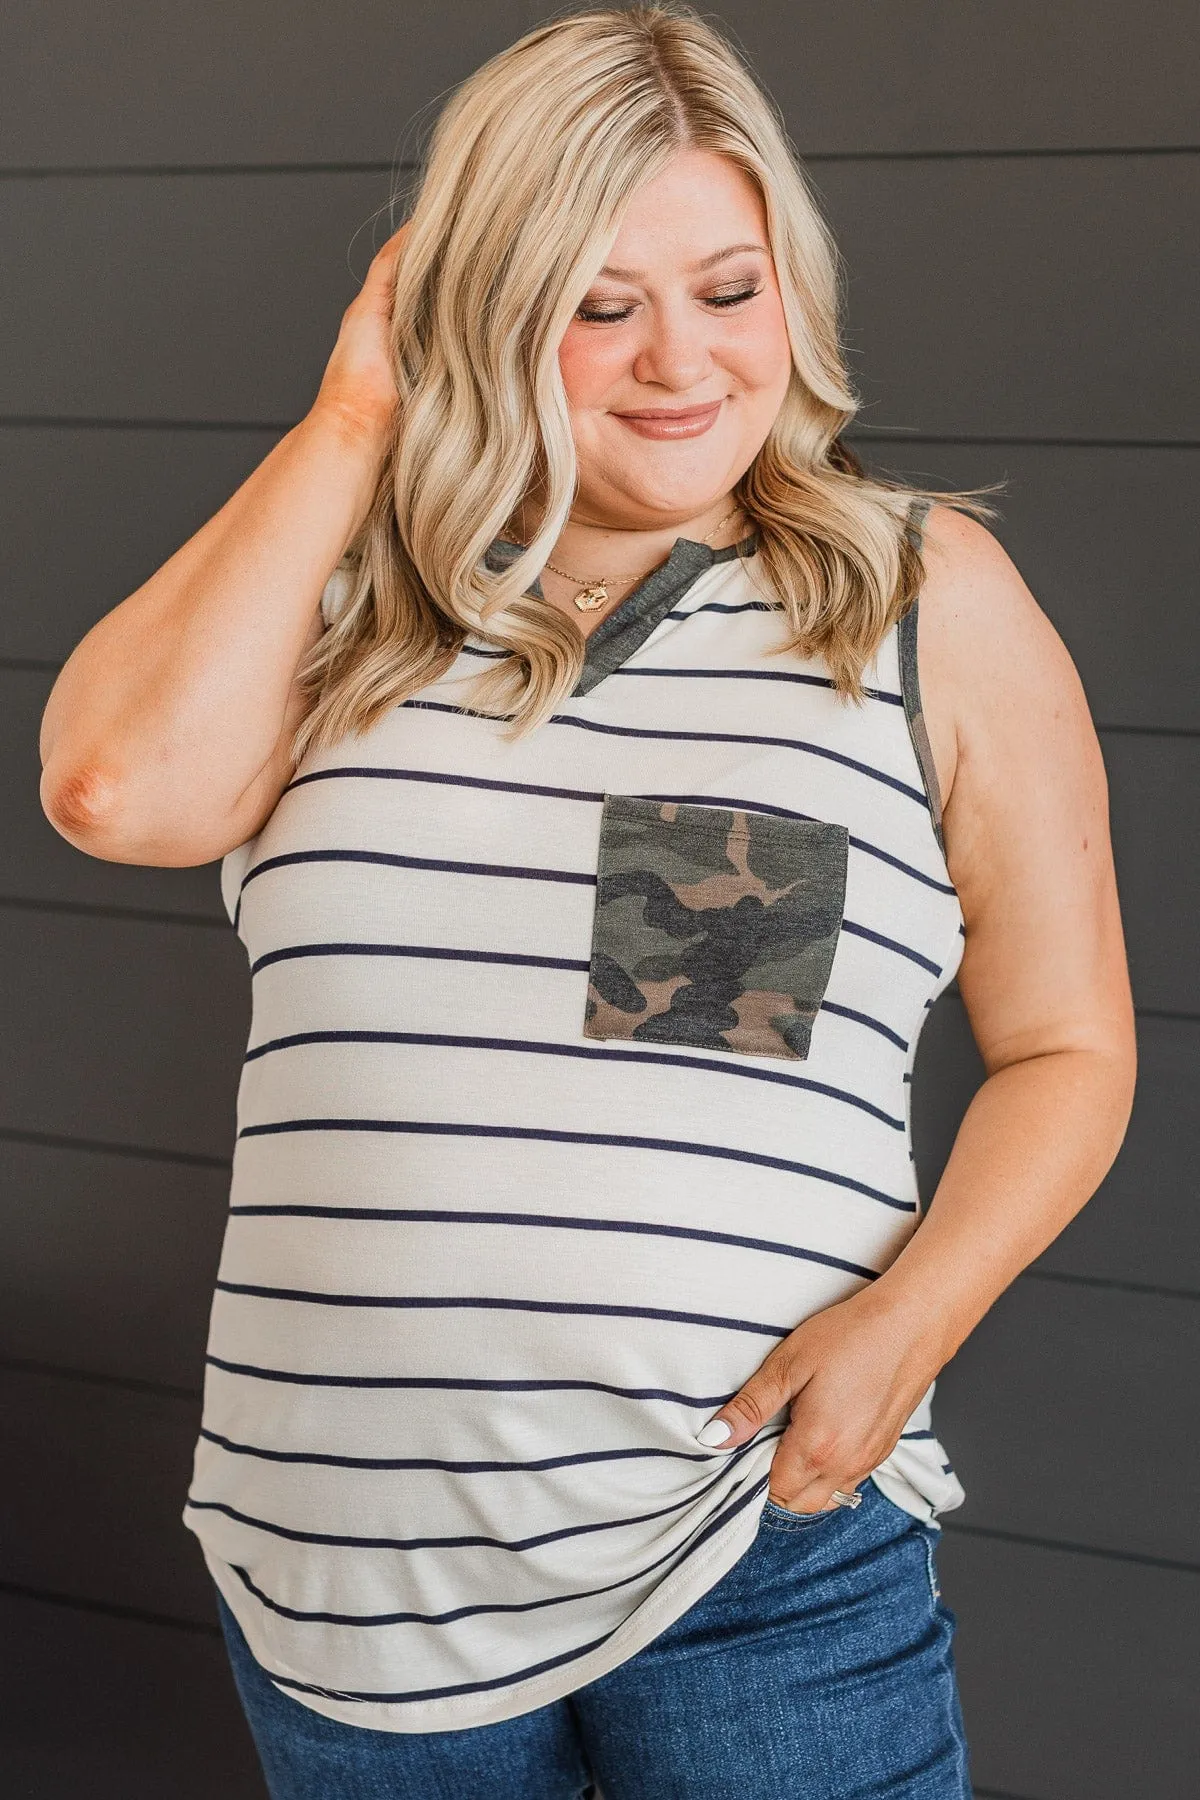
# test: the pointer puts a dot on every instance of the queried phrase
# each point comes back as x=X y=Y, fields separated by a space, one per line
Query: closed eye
x=594 y=315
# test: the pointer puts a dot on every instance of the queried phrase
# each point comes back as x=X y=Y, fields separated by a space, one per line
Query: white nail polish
x=714 y=1433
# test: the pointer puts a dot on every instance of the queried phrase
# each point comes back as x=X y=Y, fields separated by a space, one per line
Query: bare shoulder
x=991 y=662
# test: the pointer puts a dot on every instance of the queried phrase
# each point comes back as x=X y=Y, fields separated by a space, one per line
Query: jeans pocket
x=775 y=1515
x=713 y=926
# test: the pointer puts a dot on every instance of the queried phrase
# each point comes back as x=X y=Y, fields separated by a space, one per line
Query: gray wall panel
x=1154 y=801
x=104 y=1475
x=129 y=498
x=948 y=1071
x=1061 y=1416
x=1078 y=1673
x=234 y=85
x=1144 y=1224
x=130 y=1033
x=190 y=297
x=1106 y=541
x=118 y=1709
x=108 y=1261
x=240 y=283
x=995 y=297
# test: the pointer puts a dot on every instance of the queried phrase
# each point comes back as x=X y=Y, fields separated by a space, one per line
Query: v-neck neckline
x=625 y=629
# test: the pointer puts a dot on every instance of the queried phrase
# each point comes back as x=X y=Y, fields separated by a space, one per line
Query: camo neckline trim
x=624 y=630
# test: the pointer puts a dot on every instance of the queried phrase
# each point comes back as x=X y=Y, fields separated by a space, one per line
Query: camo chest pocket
x=713 y=926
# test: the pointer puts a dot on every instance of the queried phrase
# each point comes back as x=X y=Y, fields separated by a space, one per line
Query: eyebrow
x=693 y=269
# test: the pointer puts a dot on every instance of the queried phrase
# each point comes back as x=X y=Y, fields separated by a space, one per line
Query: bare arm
x=165 y=736
x=1044 y=975
x=1045 y=982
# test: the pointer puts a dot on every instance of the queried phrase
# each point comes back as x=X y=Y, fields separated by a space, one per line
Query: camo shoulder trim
x=910 y=686
x=713 y=927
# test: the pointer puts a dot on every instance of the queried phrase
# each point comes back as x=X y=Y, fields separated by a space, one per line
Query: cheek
x=589 y=365
x=761 y=354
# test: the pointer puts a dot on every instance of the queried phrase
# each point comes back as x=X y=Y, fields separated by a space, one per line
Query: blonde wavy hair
x=529 y=167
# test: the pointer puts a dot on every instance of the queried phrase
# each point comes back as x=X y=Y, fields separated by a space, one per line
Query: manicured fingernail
x=715 y=1432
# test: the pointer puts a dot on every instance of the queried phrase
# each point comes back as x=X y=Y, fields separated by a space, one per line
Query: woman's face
x=659 y=332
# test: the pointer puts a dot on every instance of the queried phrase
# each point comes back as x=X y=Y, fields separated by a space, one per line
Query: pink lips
x=665 y=422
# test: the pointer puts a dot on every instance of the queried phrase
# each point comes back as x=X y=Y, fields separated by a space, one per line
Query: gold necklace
x=595 y=594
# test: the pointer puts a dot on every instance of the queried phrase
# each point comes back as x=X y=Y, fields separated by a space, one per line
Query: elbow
x=89 y=807
x=95 y=812
x=81 y=804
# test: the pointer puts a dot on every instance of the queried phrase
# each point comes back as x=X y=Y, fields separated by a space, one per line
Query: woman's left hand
x=854 y=1374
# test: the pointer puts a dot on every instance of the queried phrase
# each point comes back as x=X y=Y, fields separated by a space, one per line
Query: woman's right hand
x=358 y=386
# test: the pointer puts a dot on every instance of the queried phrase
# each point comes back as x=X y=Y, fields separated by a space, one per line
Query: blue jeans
x=818 y=1668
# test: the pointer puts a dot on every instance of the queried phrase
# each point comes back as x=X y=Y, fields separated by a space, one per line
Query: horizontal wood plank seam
x=373 y=166
x=135 y=1614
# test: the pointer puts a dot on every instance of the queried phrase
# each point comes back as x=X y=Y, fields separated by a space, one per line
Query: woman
x=551 y=696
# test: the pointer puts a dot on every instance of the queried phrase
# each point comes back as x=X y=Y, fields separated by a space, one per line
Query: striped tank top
x=578 y=1074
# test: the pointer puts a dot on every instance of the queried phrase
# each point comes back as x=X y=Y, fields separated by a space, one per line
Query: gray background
x=189 y=197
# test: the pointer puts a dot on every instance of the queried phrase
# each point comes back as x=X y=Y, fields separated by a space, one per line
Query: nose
x=675 y=352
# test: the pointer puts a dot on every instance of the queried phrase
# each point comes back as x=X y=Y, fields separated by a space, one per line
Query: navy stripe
x=393 y=859
x=326 y=1459
x=554 y=1662
x=822 y=681
x=463 y=1687
x=519 y=959
x=357 y=772
x=503 y=870
x=543 y=1134
x=539 y=790
x=940 y=887
x=692 y=737
x=784 y=812
x=535 y=1047
x=494 y=1303
x=724 y=605
x=376 y=1620
x=861 y=1018
x=477 y=1539
x=887 y=943
x=553 y=1221
x=702 y=1402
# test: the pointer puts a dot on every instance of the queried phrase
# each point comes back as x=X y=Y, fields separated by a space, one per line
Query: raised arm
x=165 y=736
